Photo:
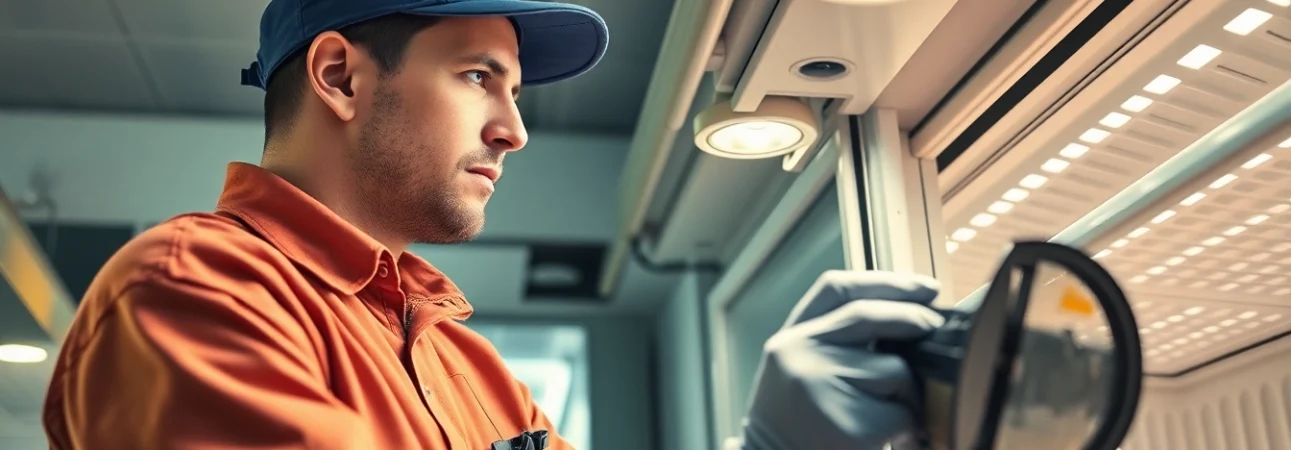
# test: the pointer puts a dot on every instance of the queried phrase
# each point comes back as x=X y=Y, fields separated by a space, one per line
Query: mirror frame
x=1127 y=384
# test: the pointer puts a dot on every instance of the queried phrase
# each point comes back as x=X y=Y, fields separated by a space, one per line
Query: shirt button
x=425 y=390
x=382 y=271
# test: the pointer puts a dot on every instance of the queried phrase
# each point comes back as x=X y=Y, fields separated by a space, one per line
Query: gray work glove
x=821 y=386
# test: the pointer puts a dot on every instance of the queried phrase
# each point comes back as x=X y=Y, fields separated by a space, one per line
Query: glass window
x=552 y=361
x=812 y=247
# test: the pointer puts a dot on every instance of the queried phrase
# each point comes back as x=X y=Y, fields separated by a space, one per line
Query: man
x=292 y=316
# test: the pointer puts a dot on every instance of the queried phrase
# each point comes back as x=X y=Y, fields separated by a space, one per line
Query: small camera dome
x=822 y=69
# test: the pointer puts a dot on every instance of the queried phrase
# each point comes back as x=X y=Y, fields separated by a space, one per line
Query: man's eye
x=477 y=76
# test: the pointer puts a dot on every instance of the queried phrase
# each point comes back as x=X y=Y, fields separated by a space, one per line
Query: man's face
x=432 y=140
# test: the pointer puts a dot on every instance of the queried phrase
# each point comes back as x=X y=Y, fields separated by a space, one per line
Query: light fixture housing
x=779 y=126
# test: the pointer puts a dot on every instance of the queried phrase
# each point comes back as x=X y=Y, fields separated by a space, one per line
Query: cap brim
x=558 y=41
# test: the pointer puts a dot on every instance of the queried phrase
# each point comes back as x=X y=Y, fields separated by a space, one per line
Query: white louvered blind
x=1247 y=406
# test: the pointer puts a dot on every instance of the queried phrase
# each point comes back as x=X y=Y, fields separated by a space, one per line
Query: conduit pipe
x=688 y=44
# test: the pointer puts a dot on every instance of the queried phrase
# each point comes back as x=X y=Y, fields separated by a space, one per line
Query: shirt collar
x=314 y=237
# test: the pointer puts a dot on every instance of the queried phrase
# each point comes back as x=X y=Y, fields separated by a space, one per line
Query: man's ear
x=340 y=73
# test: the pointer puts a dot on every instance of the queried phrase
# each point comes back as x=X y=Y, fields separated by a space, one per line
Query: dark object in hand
x=529 y=440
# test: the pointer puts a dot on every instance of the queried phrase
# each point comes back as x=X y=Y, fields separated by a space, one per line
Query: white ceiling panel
x=235 y=20
x=1208 y=268
x=203 y=77
x=73 y=72
x=73 y=16
x=1179 y=332
x=1143 y=110
x=1205 y=268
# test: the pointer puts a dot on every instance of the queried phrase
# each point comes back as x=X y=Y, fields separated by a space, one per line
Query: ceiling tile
x=192 y=50
x=607 y=99
x=73 y=73
x=203 y=78
x=234 y=20
x=79 y=16
x=636 y=28
x=20 y=88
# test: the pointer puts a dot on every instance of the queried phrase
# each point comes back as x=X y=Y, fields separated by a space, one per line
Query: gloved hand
x=821 y=386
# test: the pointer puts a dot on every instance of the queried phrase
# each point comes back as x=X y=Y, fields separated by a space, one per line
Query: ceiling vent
x=79 y=251
x=564 y=272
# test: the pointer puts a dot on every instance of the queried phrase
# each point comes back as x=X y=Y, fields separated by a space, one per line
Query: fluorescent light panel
x=1247 y=22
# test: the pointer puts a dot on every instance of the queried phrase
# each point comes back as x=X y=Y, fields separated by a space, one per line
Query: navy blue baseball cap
x=558 y=41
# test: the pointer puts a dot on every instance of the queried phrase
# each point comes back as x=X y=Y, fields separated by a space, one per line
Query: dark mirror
x=1062 y=380
x=1049 y=358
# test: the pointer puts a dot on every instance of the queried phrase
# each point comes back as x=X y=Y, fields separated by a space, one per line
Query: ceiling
x=183 y=57
x=1176 y=93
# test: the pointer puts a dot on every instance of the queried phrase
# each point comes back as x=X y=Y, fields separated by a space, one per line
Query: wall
x=1243 y=403
x=620 y=375
x=684 y=414
x=112 y=168
x=812 y=247
x=139 y=170
x=619 y=367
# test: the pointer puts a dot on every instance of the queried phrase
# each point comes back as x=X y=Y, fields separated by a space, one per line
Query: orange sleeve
x=176 y=365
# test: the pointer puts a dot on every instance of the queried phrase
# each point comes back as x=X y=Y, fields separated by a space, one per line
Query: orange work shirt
x=275 y=324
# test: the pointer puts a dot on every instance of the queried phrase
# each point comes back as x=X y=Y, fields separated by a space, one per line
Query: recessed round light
x=779 y=126
x=17 y=353
x=756 y=138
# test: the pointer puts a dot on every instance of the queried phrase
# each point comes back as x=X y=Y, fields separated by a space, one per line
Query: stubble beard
x=419 y=209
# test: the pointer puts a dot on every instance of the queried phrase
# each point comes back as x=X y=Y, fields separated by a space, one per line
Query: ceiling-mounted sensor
x=822 y=69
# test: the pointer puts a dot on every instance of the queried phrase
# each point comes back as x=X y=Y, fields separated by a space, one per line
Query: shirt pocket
x=481 y=419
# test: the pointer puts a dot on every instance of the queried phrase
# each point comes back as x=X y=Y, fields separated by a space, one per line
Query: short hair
x=386 y=38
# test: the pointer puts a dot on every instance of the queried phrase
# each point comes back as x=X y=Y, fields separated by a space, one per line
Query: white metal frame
x=890 y=213
x=1132 y=24
x=1083 y=107
x=890 y=201
x=1041 y=34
